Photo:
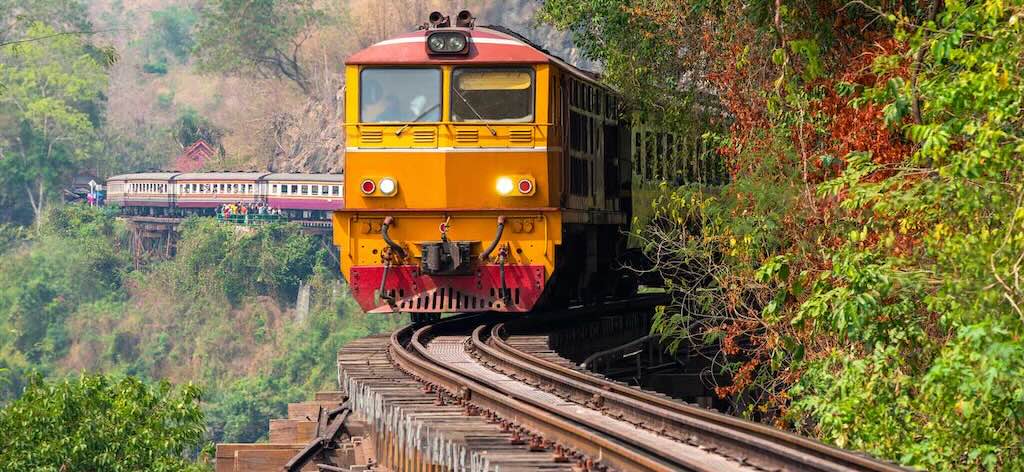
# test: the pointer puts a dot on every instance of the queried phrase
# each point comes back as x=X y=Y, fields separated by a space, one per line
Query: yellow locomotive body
x=491 y=178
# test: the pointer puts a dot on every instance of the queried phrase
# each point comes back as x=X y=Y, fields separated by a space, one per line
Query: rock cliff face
x=309 y=140
x=312 y=139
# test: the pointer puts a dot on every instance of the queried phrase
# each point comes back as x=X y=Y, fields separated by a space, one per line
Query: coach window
x=315 y=189
x=295 y=190
x=504 y=94
x=399 y=95
x=335 y=190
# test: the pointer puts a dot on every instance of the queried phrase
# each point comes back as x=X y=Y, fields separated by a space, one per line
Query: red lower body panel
x=413 y=292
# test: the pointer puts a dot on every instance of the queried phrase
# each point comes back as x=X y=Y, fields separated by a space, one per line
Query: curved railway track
x=595 y=421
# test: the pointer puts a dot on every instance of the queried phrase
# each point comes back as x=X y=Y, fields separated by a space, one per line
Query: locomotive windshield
x=504 y=94
x=402 y=95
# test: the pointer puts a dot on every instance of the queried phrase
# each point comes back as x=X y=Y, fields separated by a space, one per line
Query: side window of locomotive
x=399 y=95
x=493 y=94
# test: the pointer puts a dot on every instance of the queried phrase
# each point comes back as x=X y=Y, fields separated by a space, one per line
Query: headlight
x=505 y=185
x=456 y=43
x=448 y=42
x=436 y=43
x=388 y=186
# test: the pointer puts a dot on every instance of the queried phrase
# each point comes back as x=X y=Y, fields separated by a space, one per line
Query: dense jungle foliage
x=91 y=422
x=220 y=315
x=860 y=274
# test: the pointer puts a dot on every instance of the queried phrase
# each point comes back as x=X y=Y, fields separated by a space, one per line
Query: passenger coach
x=482 y=174
x=298 y=196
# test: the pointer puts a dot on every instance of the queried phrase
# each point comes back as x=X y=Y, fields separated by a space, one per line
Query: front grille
x=449 y=299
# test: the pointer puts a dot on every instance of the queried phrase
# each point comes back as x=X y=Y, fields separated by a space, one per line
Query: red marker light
x=525 y=186
x=368 y=186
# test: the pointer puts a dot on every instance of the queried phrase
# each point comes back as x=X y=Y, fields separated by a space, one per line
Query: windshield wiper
x=399 y=131
x=457 y=92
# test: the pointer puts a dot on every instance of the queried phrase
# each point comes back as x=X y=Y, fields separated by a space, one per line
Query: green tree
x=172 y=32
x=49 y=113
x=931 y=333
x=860 y=274
x=64 y=16
x=263 y=37
x=75 y=260
x=93 y=422
x=191 y=127
x=654 y=68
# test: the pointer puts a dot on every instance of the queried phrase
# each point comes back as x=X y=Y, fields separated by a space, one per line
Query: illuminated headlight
x=448 y=42
x=388 y=186
x=505 y=185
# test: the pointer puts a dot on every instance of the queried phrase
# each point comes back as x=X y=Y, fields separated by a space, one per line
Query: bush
x=93 y=422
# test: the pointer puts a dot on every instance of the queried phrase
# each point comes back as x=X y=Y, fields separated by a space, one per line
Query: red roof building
x=193 y=157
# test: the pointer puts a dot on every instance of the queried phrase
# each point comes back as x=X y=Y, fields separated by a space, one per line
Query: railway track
x=591 y=421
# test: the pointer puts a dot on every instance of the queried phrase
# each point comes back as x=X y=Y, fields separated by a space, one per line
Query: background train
x=484 y=174
x=298 y=196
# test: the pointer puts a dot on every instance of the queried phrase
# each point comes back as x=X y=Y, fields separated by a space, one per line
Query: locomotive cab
x=457 y=196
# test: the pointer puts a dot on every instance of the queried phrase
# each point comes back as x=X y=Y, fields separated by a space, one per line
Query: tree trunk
x=37 y=203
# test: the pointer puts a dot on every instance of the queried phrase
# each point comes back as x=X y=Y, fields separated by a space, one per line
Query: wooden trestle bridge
x=488 y=393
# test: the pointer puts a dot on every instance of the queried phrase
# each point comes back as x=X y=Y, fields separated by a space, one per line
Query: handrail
x=252 y=218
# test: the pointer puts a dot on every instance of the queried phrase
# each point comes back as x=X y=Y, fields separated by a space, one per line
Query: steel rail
x=760 y=444
x=409 y=353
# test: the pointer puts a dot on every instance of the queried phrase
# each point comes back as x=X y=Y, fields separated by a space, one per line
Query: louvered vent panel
x=466 y=136
x=424 y=136
x=372 y=136
x=520 y=136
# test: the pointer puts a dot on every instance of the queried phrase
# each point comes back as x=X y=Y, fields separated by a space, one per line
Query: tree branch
x=49 y=36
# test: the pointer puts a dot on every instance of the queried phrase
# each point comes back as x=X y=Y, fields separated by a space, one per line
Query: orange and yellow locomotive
x=481 y=174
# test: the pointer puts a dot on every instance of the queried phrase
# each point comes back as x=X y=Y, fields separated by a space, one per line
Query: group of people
x=229 y=210
x=95 y=198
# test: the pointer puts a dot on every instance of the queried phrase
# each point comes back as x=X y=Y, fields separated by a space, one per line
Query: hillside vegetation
x=859 y=277
x=219 y=315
